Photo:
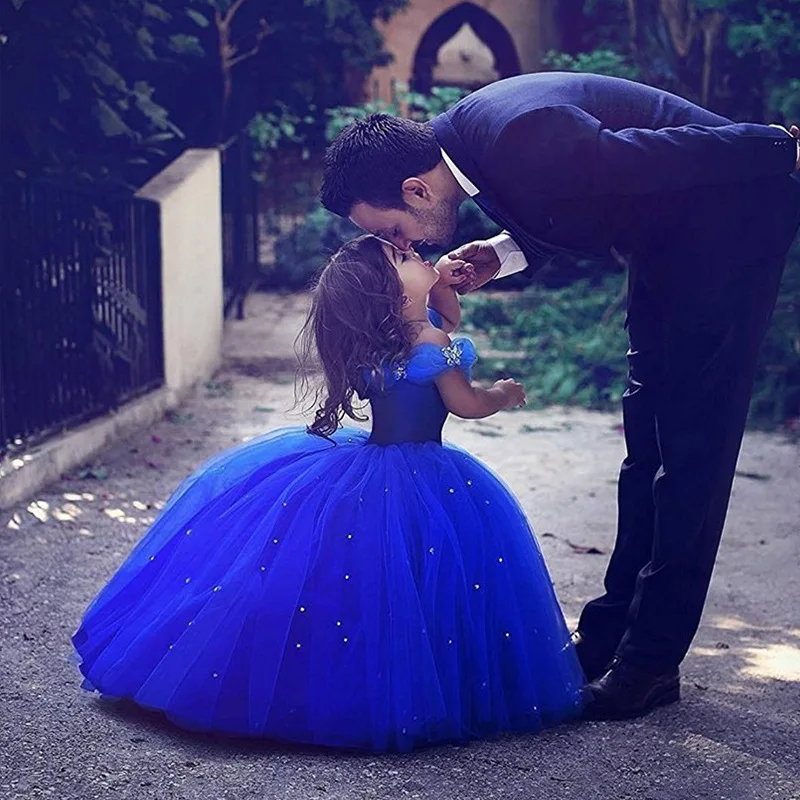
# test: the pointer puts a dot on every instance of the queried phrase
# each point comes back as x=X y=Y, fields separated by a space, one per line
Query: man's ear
x=416 y=191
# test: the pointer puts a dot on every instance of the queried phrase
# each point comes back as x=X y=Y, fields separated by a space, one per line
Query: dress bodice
x=407 y=412
x=409 y=408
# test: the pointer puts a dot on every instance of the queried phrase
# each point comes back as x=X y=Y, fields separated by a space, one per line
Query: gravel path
x=735 y=735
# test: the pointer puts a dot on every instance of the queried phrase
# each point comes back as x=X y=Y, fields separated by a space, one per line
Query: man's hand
x=794 y=132
x=484 y=260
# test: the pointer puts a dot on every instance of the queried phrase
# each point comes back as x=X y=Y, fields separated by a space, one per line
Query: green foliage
x=738 y=57
x=563 y=344
x=331 y=46
x=75 y=81
x=764 y=42
x=90 y=83
x=275 y=129
x=602 y=61
x=785 y=100
x=776 y=397
x=412 y=104
x=300 y=254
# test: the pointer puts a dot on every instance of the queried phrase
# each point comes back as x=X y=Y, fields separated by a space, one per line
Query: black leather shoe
x=625 y=691
x=592 y=663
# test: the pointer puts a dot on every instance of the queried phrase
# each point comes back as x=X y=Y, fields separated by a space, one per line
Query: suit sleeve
x=564 y=152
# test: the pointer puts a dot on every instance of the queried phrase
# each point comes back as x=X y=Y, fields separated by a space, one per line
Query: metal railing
x=240 y=232
x=80 y=306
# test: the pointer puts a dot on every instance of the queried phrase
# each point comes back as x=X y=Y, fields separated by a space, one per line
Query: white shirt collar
x=463 y=181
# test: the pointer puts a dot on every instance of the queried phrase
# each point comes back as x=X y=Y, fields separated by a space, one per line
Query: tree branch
x=233 y=57
x=713 y=27
x=259 y=35
x=634 y=26
x=235 y=6
x=232 y=62
x=682 y=23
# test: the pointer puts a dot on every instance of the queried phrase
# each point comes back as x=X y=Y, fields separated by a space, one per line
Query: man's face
x=428 y=222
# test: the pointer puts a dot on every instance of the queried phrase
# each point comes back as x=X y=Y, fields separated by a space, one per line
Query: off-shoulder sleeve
x=430 y=360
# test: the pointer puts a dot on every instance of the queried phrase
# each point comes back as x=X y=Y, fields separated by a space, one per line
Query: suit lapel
x=535 y=249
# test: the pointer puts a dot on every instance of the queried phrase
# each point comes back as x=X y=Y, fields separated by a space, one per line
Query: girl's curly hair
x=355 y=324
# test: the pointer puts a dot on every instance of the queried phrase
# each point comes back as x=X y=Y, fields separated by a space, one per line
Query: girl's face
x=417 y=276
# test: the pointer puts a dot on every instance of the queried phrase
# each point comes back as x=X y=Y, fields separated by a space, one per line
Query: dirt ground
x=735 y=734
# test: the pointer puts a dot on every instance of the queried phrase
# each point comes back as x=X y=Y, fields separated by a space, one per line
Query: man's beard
x=439 y=222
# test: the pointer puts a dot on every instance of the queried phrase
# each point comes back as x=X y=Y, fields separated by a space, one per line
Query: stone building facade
x=468 y=44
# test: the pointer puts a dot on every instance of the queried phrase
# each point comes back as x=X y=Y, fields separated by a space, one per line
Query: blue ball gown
x=378 y=591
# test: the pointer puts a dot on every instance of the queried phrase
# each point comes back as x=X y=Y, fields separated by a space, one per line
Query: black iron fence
x=240 y=230
x=80 y=306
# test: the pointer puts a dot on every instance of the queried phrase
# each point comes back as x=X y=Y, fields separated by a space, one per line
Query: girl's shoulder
x=432 y=335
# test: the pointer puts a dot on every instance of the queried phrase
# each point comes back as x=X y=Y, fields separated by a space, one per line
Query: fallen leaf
x=538 y=429
x=179 y=417
x=490 y=433
x=99 y=473
x=754 y=476
x=585 y=549
x=218 y=388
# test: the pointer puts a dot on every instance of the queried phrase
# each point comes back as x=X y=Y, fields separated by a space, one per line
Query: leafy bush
x=412 y=104
x=301 y=253
x=567 y=345
x=776 y=397
x=603 y=61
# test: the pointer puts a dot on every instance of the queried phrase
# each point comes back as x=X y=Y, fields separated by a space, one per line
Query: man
x=704 y=211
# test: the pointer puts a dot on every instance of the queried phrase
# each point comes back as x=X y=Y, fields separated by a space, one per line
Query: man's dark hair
x=369 y=160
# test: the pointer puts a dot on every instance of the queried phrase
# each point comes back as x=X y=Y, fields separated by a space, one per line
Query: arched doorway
x=476 y=38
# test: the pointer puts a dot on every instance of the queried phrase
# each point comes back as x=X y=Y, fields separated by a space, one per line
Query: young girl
x=332 y=586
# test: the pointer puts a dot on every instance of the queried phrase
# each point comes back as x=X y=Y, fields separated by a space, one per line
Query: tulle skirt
x=337 y=593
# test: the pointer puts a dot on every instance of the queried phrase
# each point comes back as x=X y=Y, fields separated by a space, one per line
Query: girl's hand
x=514 y=392
x=485 y=263
x=454 y=271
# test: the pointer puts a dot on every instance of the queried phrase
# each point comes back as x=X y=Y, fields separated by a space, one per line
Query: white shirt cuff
x=511 y=257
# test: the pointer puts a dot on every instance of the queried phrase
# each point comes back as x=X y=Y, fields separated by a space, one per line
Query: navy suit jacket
x=580 y=163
